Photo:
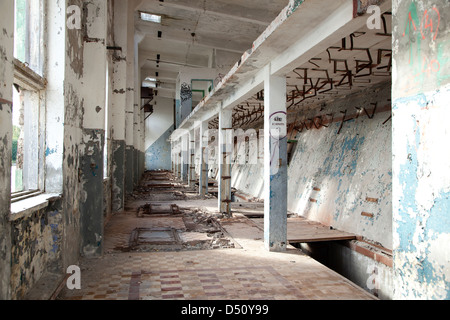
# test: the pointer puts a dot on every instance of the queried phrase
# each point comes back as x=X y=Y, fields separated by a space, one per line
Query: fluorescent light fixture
x=150 y=79
x=145 y=16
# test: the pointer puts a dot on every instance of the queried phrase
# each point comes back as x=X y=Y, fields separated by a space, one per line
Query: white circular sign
x=278 y=125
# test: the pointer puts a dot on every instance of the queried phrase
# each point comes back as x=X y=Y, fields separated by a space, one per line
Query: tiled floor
x=208 y=275
x=244 y=273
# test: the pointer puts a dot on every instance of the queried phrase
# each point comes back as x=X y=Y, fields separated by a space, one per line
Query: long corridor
x=197 y=264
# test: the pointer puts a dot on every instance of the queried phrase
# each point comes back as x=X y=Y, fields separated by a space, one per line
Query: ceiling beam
x=169 y=34
x=171 y=59
x=236 y=15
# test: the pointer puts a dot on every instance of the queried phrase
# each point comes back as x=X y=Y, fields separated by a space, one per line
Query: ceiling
x=361 y=60
x=215 y=34
x=199 y=33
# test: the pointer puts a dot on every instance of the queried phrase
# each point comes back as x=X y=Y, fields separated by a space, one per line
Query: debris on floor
x=155 y=228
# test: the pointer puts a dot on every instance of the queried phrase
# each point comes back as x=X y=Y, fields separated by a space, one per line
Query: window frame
x=34 y=82
x=30 y=81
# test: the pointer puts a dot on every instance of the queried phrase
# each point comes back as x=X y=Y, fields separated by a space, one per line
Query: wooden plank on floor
x=301 y=230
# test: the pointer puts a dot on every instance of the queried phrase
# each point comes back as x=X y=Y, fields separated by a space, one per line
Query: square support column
x=185 y=157
x=224 y=157
x=172 y=157
x=179 y=161
x=275 y=164
x=191 y=158
x=175 y=159
x=203 y=179
x=93 y=130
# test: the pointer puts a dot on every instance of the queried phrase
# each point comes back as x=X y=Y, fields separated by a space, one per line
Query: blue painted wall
x=158 y=155
x=421 y=153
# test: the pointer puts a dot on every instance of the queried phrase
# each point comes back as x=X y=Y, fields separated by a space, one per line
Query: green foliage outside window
x=16 y=135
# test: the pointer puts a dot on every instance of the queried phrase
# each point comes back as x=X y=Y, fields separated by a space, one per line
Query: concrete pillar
x=54 y=97
x=118 y=105
x=185 y=155
x=178 y=155
x=203 y=143
x=224 y=157
x=130 y=102
x=93 y=128
x=6 y=97
x=275 y=164
x=138 y=114
x=175 y=158
x=172 y=159
x=192 y=158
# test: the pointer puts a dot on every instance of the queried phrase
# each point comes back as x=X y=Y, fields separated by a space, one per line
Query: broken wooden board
x=302 y=230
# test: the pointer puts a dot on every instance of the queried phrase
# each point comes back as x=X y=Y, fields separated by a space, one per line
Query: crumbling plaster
x=421 y=178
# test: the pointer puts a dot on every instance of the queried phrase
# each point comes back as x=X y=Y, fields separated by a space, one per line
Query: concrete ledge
x=381 y=255
x=27 y=206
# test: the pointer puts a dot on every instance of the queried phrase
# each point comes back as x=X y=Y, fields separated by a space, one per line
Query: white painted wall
x=157 y=148
x=347 y=168
x=160 y=121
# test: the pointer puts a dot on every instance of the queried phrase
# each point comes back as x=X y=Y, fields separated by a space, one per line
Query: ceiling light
x=150 y=79
x=145 y=16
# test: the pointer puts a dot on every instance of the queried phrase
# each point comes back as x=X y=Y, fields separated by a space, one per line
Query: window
x=26 y=139
x=28 y=94
x=149 y=17
x=200 y=89
x=17 y=148
x=28 y=34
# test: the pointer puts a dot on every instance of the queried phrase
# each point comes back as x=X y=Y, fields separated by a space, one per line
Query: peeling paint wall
x=54 y=102
x=50 y=239
x=93 y=90
x=118 y=174
x=36 y=247
x=6 y=96
x=331 y=176
x=129 y=169
x=84 y=132
x=421 y=173
x=344 y=180
x=91 y=200
x=118 y=106
x=73 y=120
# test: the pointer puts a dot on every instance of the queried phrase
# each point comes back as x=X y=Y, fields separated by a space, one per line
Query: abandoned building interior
x=225 y=149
